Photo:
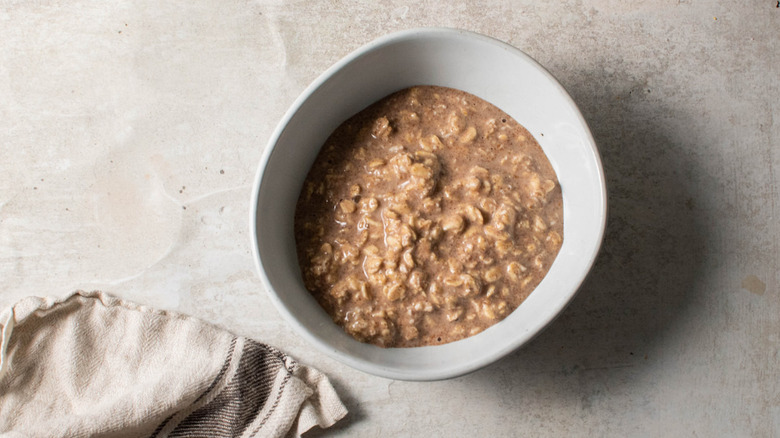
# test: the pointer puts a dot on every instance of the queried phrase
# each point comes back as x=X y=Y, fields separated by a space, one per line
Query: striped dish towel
x=92 y=364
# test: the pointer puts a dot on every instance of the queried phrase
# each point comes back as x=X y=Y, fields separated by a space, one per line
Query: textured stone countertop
x=131 y=131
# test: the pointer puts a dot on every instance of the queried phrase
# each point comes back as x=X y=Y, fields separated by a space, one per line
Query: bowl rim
x=472 y=365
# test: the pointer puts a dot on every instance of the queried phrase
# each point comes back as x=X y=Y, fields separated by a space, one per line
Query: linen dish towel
x=92 y=365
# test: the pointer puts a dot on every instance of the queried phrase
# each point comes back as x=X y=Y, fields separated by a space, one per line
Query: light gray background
x=130 y=133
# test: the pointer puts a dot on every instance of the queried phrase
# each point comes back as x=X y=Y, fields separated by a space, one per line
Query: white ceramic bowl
x=482 y=66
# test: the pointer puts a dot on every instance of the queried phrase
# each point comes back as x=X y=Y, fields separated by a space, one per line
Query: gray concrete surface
x=130 y=133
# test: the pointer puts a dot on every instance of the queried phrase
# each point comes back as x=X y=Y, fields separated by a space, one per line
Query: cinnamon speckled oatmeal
x=426 y=218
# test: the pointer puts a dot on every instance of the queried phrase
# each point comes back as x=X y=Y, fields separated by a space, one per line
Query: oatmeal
x=426 y=218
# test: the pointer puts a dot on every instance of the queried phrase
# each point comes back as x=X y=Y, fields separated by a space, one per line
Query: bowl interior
x=476 y=64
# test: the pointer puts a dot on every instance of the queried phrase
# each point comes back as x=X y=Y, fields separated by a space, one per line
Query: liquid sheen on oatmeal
x=426 y=218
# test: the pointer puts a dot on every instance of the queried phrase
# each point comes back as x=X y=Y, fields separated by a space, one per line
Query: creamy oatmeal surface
x=426 y=218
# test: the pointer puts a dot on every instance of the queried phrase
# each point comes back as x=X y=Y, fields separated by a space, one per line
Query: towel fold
x=92 y=364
